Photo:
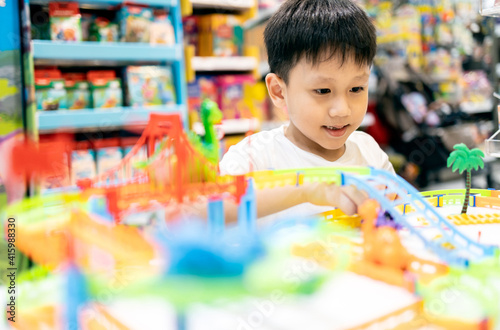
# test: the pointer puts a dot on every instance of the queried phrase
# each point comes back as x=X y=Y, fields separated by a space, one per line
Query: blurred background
x=96 y=69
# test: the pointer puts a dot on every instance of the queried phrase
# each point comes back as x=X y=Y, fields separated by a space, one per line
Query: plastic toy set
x=400 y=242
x=134 y=23
x=214 y=35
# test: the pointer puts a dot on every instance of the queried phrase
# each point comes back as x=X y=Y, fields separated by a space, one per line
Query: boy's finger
x=346 y=204
x=356 y=195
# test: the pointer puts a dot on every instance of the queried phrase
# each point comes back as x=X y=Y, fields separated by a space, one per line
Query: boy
x=320 y=53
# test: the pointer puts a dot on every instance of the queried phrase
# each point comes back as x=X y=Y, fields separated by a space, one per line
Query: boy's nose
x=339 y=108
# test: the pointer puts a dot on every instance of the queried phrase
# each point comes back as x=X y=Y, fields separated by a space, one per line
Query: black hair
x=318 y=30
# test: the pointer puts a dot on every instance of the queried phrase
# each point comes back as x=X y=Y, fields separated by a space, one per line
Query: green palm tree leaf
x=458 y=165
x=451 y=159
x=477 y=152
x=476 y=162
x=457 y=154
x=462 y=147
x=461 y=153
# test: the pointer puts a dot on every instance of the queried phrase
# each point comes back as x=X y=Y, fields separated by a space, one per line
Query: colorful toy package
x=135 y=22
x=82 y=165
x=101 y=29
x=203 y=87
x=150 y=85
x=161 y=31
x=221 y=35
x=231 y=96
x=107 y=158
x=191 y=32
x=105 y=89
x=77 y=91
x=65 y=21
x=49 y=90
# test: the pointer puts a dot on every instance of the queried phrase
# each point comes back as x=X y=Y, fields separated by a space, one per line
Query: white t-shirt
x=270 y=150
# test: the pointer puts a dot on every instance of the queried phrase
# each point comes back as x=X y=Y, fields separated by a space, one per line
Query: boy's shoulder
x=252 y=152
x=260 y=140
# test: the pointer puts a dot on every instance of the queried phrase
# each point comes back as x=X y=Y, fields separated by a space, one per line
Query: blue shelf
x=97 y=51
x=157 y=3
x=103 y=119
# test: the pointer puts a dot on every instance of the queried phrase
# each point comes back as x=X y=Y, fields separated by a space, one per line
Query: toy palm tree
x=464 y=159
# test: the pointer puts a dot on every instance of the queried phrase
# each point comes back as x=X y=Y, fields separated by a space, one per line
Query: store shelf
x=158 y=3
x=264 y=68
x=230 y=63
x=263 y=15
x=96 y=51
x=493 y=145
x=475 y=108
x=232 y=126
x=99 y=119
x=224 y=4
x=493 y=11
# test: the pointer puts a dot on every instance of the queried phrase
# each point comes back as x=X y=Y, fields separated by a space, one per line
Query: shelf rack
x=106 y=3
x=104 y=119
x=97 y=51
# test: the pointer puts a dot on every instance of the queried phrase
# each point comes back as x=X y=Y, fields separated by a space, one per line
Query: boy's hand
x=346 y=198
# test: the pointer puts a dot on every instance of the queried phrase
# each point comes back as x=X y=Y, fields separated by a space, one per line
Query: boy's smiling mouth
x=336 y=131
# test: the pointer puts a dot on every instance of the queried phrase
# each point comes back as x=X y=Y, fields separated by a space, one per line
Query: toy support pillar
x=216 y=216
x=76 y=296
x=247 y=210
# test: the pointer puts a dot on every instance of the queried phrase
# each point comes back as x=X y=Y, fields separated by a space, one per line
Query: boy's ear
x=277 y=90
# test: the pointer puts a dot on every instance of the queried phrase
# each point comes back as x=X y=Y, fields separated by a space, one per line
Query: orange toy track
x=380 y=256
x=51 y=247
x=174 y=174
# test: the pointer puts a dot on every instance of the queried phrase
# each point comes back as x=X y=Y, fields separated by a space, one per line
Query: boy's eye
x=357 y=89
x=322 y=91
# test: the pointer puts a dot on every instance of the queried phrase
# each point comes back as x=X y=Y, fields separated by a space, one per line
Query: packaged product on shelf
x=221 y=35
x=85 y=22
x=132 y=170
x=49 y=90
x=105 y=88
x=203 y=87
x=231 y=96
x=477 y=91
x=82 y=165
x=135 y=22
x=150 y=85
x=40 y=23
x=161 y=31
x=107 y=159
x=191 y=32
x=65 y=21
x=254 y=97
x=101 y=29
x=77 y=91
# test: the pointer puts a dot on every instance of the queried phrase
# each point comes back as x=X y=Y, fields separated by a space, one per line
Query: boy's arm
x=272 y=200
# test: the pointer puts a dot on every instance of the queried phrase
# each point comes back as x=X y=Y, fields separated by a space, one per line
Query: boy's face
x=325 y=103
